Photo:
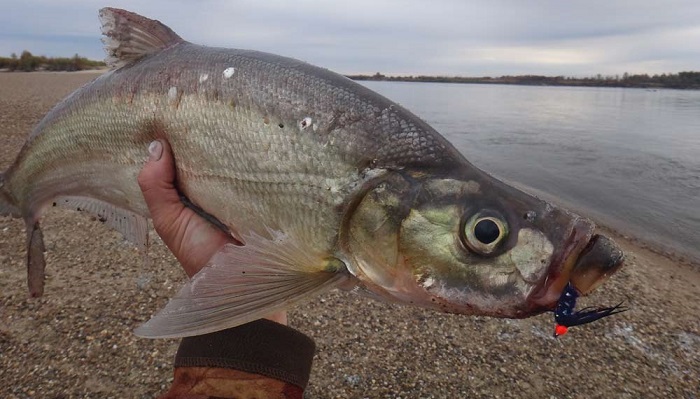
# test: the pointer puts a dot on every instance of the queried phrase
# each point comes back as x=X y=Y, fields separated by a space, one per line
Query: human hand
x=192 y=239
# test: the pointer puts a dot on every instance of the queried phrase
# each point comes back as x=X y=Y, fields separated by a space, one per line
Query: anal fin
x=244 y=283
x=133 y=227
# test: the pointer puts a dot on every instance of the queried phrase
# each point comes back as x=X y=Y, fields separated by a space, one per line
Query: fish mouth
x=599 y=260
x=586 y=261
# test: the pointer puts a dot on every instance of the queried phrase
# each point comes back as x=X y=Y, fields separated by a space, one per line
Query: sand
x=76 y=341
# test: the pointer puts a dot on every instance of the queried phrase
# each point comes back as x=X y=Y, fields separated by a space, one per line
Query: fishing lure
x=565 y=316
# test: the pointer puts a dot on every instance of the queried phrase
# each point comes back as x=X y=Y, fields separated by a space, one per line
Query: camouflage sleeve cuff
x=261 y=347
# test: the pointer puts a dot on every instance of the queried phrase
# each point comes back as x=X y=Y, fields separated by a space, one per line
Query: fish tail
x=36 y=263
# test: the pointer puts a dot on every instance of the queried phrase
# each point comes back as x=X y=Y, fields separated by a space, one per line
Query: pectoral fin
x=244 y=283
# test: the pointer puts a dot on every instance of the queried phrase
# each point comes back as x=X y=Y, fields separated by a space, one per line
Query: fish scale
x=326 y=183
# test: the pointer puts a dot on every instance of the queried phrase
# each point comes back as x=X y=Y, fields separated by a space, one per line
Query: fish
x=324 y=183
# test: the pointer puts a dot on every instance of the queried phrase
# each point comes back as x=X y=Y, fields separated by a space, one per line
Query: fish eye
x=482 y=234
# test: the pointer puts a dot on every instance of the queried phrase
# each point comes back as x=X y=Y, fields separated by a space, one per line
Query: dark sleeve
x=260 y=347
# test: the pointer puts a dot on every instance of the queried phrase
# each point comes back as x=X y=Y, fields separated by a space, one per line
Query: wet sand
x=76 y=341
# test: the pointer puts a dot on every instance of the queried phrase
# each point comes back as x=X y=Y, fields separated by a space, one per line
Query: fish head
x=473 y=245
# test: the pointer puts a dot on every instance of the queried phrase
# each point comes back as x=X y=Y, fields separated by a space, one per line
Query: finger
x=157 y=182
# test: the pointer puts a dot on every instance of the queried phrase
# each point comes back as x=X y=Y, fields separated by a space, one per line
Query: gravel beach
x=77 y=342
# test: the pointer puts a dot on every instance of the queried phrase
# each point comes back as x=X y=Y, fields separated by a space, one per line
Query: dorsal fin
x=129 y=36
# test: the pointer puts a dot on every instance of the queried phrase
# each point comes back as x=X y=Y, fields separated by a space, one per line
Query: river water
x=629 y=158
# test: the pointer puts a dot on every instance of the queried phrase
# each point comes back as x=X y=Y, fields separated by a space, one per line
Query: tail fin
x=7 y=203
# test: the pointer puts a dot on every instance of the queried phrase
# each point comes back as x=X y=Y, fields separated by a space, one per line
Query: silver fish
x=326 y=183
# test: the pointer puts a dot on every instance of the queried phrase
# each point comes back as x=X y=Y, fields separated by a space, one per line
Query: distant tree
x=78 y=63
x=27 y=62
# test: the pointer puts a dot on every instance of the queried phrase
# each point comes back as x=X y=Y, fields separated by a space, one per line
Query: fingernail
x=155 y=151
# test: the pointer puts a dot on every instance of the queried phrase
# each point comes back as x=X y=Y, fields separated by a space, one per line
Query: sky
x=409 y=37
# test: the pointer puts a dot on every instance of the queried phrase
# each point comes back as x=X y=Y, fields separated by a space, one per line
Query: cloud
x=448 y=37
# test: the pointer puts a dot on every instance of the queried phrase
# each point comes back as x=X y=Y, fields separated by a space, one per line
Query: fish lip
x=546 y=293
x=596 y=263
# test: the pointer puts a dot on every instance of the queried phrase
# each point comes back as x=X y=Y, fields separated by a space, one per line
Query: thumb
x=157 y=182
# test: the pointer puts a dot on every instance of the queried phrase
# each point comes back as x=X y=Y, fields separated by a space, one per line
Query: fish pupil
x=486 y=231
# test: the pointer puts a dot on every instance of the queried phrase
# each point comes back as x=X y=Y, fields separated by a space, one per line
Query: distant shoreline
x=681 y=80
x=92 y=70
x=687 y=80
